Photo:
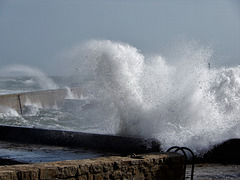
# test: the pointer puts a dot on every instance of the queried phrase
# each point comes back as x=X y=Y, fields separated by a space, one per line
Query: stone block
x=96 y=168
x=83 y=169
x=8 y=175
x=66 y=172
x=48 y=173
x=83 y=177
x=28 y=174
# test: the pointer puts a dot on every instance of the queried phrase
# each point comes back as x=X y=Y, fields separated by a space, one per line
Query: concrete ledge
x=159 y=166
x=110 y=143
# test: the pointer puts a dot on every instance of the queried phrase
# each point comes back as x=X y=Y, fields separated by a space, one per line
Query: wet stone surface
x=16 y=153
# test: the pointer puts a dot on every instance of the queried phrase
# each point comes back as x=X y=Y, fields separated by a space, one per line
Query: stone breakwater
x=163 y=166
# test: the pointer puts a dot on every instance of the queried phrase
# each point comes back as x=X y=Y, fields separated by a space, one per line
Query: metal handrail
x=185 y=156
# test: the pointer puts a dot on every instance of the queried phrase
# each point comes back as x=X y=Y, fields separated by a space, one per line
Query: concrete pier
x=109 y=143
x=44 y=99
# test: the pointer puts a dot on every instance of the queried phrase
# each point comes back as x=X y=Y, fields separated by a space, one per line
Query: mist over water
x=179 y=101
x=42 y=80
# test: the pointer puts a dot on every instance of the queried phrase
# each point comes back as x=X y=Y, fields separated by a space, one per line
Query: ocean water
x=177 y=99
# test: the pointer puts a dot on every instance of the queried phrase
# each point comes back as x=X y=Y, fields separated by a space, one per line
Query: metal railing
x=182 y=149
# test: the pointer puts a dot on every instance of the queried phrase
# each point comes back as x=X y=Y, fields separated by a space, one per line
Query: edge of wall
x=151 y=166
x=109 y=143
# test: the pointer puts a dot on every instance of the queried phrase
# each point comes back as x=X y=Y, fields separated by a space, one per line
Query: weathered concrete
x=108 y=143
x=161 y=166
x=45 y=99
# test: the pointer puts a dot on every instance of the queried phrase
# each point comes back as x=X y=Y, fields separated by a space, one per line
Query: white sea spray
x=179 y=101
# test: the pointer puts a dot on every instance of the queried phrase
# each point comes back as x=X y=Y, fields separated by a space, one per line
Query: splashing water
x=178 y=101
x=6 y=112
x=42 y=79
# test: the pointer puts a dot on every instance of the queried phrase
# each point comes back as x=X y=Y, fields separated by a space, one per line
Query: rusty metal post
x=20 y=104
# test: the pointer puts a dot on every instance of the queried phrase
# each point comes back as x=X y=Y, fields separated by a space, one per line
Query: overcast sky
x=33 y=32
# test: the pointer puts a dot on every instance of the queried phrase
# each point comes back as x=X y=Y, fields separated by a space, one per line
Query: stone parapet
x=163 y=166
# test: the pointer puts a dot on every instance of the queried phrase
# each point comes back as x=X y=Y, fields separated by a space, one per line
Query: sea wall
x=109 y=143
x=46 y=98
x=163 y=166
